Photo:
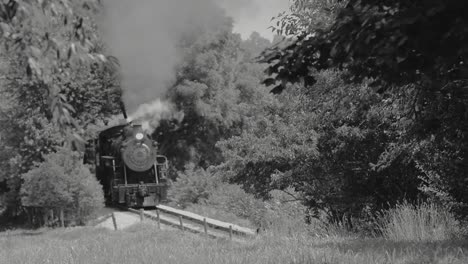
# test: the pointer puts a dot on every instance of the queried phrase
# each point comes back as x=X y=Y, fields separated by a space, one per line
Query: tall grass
x=144 y=243
x=421 y=222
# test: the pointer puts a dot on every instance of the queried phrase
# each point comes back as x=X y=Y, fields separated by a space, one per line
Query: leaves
x=388 y=43
x=269 y=81
x=62 y=181
x=369 y=39
x=46 y=55
x=216 y=84
x=8 y=10
x=278 y=89
x=52 y=91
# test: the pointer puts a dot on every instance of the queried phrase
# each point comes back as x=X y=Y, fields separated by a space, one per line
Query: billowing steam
x=150 y=114
x=145 y=35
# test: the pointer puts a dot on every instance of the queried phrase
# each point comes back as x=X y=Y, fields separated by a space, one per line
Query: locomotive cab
x=128 y=166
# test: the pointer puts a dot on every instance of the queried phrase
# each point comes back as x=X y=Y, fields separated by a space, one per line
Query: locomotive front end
x=129 y=167
x=138 y=150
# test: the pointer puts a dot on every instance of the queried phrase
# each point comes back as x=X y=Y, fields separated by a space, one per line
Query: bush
x=285 y=215
x=201 y=192
x=192 y=186
x=232 y=198
x=282 y=215
x=423 y=222
x=219 y=214
x=62 y=181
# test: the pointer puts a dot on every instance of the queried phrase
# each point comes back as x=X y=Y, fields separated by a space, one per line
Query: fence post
x=44 y=217
x=159 y=220
x=141 y=215
x=181 y=223
x=205 y=226
x=230 y=232
x=62 y=217
x=51 y=218
x=114 y=221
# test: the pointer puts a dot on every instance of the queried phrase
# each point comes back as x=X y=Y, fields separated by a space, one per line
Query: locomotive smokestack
x=122 y=107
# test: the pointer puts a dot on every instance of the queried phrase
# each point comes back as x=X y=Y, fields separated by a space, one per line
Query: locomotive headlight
x=139 y=136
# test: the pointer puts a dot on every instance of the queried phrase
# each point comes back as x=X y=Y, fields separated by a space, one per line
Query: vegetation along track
x=187 y=221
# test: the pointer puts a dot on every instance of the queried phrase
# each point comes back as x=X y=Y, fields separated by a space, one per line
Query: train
x=127 y=164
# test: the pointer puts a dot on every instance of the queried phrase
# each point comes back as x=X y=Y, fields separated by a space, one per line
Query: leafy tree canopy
x=62 y=181
x=53 y=37
x=48 y=78
x=415 y=54
x=216 y=87
x=397 y=42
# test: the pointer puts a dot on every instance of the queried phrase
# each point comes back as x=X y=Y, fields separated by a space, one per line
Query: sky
x=254 y=15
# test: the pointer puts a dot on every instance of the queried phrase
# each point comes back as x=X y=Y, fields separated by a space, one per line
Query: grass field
x=143 y=243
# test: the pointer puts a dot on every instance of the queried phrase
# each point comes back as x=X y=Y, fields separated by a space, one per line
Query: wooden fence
x=54 y=216
x=191 y=222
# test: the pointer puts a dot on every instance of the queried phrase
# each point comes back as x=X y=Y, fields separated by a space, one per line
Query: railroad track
x=187 y=221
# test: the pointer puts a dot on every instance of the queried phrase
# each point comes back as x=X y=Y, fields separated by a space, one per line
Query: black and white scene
x=233 y=131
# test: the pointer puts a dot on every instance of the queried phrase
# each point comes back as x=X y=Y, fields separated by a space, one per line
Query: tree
x=384 y=40
x=325 y=144
x=306 y=16
x=423 y=71
x=50 y=35
x=214 y=89
x=62 y=181
x=88 y=92
x=254 y=45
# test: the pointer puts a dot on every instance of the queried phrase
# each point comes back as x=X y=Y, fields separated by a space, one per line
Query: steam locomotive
x=128 y=166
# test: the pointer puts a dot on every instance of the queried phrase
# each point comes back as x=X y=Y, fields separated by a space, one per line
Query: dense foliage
x=325 y=144
x=62 y=181
x=192 y=186
x=419 y=73
x=34 y=100
x=216 y=89
x=368 y=108
x=54 y=37
x=387 y=41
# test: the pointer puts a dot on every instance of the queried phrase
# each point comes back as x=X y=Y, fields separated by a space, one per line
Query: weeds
x=422 y=222
x=411 y=234
x=143 y=243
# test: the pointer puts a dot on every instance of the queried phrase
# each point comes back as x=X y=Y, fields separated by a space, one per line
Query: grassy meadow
x=143 y=243
x=409 y=234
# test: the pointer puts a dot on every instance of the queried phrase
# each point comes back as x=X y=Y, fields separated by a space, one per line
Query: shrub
x=202 y=192
x=219 y=214
x=285 y=215
x=191 y=186
x=232 y=198
x=282 y=215
x=423 y=222
x=62 y=181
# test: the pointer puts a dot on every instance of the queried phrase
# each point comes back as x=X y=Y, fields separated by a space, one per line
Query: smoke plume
x=145 y=36
x=241 y=7
x=150 y=114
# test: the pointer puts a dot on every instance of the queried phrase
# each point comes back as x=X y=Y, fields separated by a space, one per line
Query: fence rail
x=228 y=227
x=195 y=223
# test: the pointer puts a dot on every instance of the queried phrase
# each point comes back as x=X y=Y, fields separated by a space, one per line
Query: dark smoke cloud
x=144 y=35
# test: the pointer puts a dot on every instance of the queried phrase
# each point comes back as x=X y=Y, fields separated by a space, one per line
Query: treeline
x=50 y=93
x=368 y=111
x=403 y=135
x=355 y=114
